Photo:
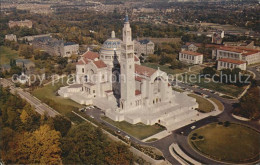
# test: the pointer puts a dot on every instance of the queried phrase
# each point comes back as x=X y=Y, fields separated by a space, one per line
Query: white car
x=127 y=137
x=193 y=127
x=92 y=117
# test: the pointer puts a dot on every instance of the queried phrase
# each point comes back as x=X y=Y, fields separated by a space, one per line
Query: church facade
x=114 y=81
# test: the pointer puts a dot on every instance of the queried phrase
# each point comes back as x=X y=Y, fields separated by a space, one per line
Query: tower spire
x=126 y=16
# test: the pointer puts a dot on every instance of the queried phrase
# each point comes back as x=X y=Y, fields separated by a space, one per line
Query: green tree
x=61 y=124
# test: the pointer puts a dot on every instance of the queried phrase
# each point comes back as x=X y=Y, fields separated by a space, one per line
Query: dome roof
x=112 y=43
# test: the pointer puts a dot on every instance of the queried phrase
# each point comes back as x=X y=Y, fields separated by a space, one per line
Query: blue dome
x=112 y=43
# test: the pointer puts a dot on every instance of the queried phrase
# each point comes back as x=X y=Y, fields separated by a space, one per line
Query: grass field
x=165 y=68
x=218 y=103
x=204 y=105
x=234 y=143
x=6 y=54
x=140 y=131
x=48 y=94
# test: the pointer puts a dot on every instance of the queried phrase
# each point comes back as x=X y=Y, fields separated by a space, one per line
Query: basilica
x=114 y=81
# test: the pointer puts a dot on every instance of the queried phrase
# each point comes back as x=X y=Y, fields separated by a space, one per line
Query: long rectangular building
x=250 y=56
x=191 y=57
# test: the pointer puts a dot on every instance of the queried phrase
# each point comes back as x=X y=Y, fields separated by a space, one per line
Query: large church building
x=114 y=81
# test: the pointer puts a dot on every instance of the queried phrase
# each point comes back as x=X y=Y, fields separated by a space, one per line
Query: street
x=40 y=107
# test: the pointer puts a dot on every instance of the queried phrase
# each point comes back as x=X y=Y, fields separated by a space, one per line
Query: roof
x=143 y=70
x=138 y=78
x=136 y=58
x=80 y=62
x=25 y=61
x=89 y=83
x=237 y=49
x=75 y=86
x=191 y=53
x=231 y=61
x=145 y=41
x=100 y=64
x=90 y=55
x=137 y=92
x=70 y=43
x=108 y=91
x=231 y=49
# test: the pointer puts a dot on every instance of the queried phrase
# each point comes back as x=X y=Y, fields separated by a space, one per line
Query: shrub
x=194 y=134
x=226 y=123
x=201 y=137
x=193 y=138
x=220 y=123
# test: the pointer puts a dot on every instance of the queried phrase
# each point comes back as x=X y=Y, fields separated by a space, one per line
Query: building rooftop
x=100 y=64
x=228 y=60
x=191 y=53
x=146 y=41
x=69 y=43
x=90 y=55
x=144 y=71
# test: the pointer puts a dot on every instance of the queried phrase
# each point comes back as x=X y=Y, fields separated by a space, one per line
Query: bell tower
x=127 y=68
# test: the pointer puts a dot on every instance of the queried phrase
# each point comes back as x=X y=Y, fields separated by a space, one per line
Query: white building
x=114 y=81
x=70 y=48
x=189 y=47
x=250 y=56
x=144 y=47
x=191 y=57
x=11 y=37
x=227 y=63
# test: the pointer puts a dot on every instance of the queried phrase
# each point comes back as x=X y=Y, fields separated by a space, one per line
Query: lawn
x=6 y=54
x=232 y=143
x=139 y=130
x=48 y=95
x=165 y=68
x=204 y=105
x=218 y=103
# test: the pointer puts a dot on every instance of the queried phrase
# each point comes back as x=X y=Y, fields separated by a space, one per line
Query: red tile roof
x=206 y=45
x=90 y=55
x=100 y=64
x=136 y=58
x=108 y=91
x=80 y=62
x=137 y=92
x=138 y=78
x=231 y=49
x=243 y=50
x=231 y=61
x=143 y=70
x=191 y=53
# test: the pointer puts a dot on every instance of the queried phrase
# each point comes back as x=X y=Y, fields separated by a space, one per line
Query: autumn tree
x=40 y=146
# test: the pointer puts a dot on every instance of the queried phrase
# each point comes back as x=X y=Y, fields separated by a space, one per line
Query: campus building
x=227 y=63
x=250 y=56
x=191 y=57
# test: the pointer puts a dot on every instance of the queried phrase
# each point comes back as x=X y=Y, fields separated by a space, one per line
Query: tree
x=209 y=71
x=249 y=105
x=40 y=146
x=85 y=143
x=61 y=124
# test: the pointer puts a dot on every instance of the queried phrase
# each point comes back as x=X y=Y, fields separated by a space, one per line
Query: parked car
x=127 y=137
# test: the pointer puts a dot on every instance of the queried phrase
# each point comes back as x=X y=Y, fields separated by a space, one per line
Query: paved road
x=40 y=107
x=253 y=69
